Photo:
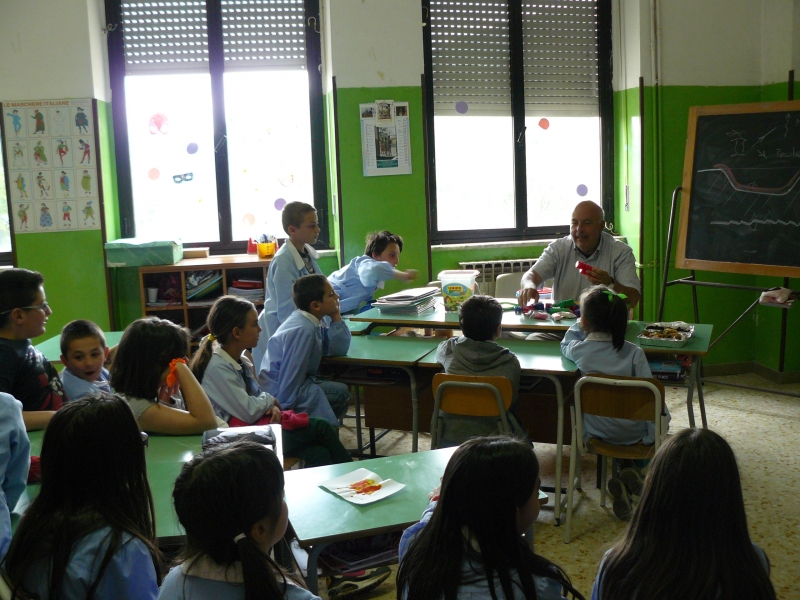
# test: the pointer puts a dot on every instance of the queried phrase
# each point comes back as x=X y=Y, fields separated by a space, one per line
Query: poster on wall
x=50 y=157
x=385 y=141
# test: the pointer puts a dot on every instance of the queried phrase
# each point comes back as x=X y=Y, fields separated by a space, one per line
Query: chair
x=507 y=285
x=471 y=396
x=633 y=398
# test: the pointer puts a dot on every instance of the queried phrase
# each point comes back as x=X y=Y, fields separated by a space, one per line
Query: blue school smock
x=226 y=387
x=130 y=574
x=594 y=353
x=292 y=361
x=286 y=268
x=15 y=460
x=76 y=388
x=356 y=282
x=202 y=579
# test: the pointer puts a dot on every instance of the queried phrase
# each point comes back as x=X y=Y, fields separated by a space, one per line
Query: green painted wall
x=664 y=128
x=395 y=202
x=74 y=277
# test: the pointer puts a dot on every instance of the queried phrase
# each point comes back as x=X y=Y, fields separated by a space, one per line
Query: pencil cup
x=266 y=249
x=152 y=295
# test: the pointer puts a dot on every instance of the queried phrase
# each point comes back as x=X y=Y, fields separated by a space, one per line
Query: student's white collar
x=598 y=337
x=205 y=568
x=310 y=317
x=298 y=260
x=227 y=357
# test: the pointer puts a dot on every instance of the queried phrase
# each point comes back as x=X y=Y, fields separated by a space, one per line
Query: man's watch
x=612 y=282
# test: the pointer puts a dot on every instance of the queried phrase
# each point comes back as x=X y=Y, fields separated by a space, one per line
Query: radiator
x=490 y=269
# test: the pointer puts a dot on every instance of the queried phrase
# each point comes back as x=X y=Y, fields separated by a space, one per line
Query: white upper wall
x=52 y=49
x=374 y=43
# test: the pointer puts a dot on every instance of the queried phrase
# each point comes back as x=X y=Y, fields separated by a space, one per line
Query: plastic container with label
x=456 y=287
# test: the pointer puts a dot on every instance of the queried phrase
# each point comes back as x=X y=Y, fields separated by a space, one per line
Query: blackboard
x=740 y=204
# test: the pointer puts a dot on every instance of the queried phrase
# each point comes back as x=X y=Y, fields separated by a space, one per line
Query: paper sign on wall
x=50 y=164
x=385 y=140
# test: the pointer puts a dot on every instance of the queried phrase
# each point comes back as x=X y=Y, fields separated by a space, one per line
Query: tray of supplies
x=674 y=334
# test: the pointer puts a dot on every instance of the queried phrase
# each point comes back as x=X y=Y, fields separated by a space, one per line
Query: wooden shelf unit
x=190 y=314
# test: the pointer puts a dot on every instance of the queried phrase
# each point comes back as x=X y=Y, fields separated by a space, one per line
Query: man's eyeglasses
x=44 y=307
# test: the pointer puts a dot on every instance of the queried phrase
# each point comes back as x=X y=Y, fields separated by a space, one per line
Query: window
x=217 y=116
x=519 y=115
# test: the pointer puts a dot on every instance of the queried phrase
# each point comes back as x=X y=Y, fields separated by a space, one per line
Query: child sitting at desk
x=83 y=352
x=294 y=352
x=230 y=502
x=293 y=260
x=24 y=372
x=227 y=376
x=476 y=353
x=596 y=344
x=469 y=542
x=356 y=282
x=148 y=371
x=90 y=533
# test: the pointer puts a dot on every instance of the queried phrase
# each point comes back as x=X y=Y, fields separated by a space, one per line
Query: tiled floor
x=763 y=430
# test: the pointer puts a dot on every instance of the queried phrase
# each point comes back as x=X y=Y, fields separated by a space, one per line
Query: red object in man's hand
x=582 y=267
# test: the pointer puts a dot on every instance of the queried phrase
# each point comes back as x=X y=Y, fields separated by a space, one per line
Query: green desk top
x=52 y=348
x=165 y=457
x=356 y=327
x=389 y=350
x=440 y=319
x=534 y=357
x=319 y=516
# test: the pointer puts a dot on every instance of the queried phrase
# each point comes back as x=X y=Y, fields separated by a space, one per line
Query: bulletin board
x=50 y=151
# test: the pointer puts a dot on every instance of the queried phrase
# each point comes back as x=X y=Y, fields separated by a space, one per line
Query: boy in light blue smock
x=83 y=352
x=356 y=282
x=294 y=259
x=290 y=365
x=596 y=344
x=15 y=460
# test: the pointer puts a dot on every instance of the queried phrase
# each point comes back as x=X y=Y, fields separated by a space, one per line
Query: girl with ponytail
x=596 y=344
x=230 y=502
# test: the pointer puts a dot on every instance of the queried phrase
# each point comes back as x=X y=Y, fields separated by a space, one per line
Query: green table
x=51 y=348
x=438 y=319
x=320 y=517
x=388 y=351
x=165 y=457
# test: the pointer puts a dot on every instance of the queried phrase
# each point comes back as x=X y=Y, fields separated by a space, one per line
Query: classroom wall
x=744 y=57
x=56 y=49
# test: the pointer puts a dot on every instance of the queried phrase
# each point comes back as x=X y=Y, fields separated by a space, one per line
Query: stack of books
x=200 y=284
x=249 y=289
x=408 y=302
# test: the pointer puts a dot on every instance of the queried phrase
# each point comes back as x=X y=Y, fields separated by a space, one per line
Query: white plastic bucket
x=456 y=287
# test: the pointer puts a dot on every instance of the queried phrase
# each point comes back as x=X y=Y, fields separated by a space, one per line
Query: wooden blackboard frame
x=681 y=260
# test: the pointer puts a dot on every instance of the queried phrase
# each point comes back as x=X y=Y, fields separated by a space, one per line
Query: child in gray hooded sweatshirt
x=476 y=353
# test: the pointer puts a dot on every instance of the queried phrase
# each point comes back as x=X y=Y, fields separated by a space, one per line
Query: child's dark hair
x=144 y=352
x=480 y=316
x=18 y=288
x=693 y=545
x=605 y=311
x=294 y=213
x=78 y=330
x=485 y=482
x=94 y=475
x=308 y=289
x=377 y=242
x=219 y=496
x=228 y=313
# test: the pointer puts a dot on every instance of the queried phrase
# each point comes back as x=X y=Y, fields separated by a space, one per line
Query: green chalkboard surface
x=740 y=209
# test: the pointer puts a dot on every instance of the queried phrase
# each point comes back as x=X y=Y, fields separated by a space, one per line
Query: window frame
x=517 y=77
x=116 y=62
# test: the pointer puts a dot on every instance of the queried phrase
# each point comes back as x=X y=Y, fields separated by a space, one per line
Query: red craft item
x=35 y=471
x=172 y=377
x=582 y=267
x=292 y=420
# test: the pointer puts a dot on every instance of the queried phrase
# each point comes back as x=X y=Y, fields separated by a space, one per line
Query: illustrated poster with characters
x=385 y=141
x=50 y=153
